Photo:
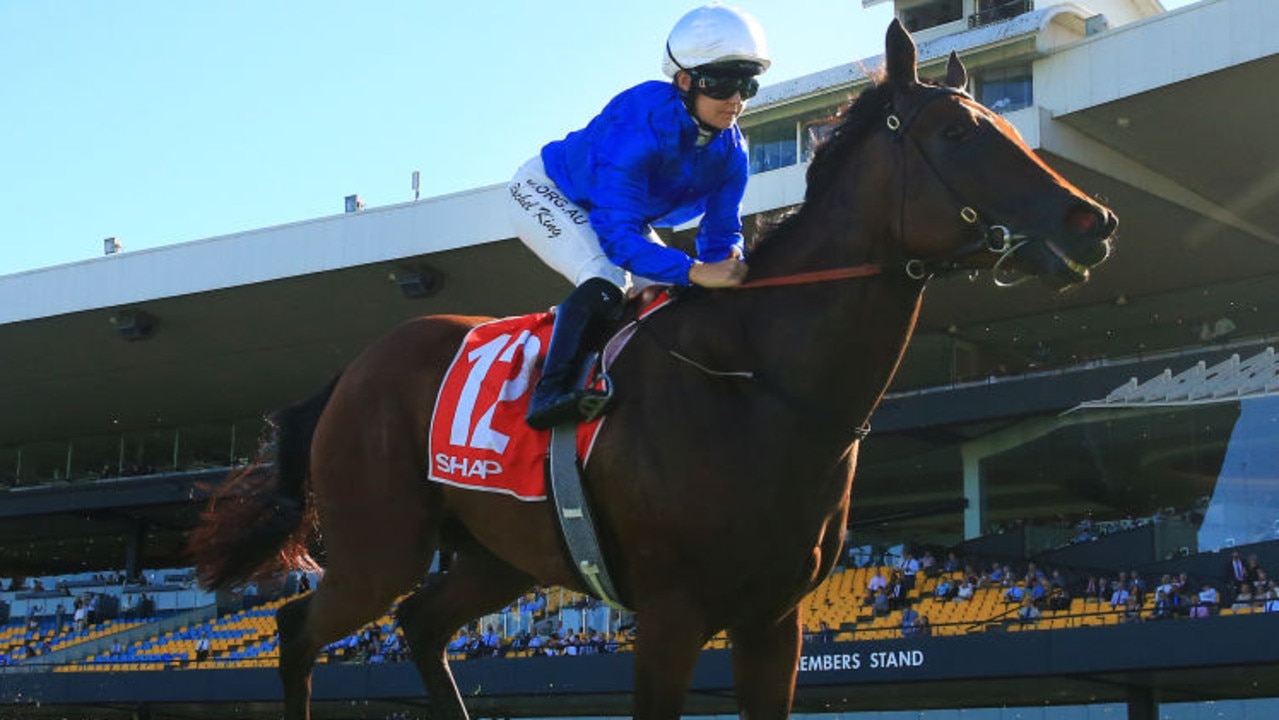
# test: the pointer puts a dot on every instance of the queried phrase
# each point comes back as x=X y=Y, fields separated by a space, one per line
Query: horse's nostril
x=1084 y=219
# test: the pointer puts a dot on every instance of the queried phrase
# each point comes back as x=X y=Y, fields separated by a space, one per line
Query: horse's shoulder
x=442 y=326
x=431 y=334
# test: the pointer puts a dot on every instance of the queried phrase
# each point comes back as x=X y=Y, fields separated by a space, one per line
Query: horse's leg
x=379 y=520
x=765 y=660
x=296 y=661
x=477 y=583
x=336 y=609
x=666 y=650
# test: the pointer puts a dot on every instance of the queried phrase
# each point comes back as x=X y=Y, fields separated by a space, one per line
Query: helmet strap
x=704 y=131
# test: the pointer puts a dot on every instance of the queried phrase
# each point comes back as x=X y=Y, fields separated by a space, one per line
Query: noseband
x=993 y=238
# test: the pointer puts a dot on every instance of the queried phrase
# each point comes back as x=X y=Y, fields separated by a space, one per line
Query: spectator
x=1119 y=597
x=879 y=604
x=1033 y=575
x=928 y=564
x=1039 y=591
x=1243 y=598
x=490 y=641
x=1182 y=583
x=1131 y=610
x=1238 y=570
x=909 y=569
x=458 y=645
x=249 y=597
x=945 y=589
x=1209 y=596
x=202 y=647
x=824 y=633
x=910 y=622
x=1272 y=602
x=997 y=573
x=1105 y=589
x=1206 y=602
x=923 y=627
x=1016 y=594
x=952 y=564
x=1028 y=613
x=1262 y=585
x=1137 y=586
x=80 y=616
x=1092 y=588
x=1164 y=606
x=130 y=607
x=877 y=582
x=897 y=591
x=966 y=589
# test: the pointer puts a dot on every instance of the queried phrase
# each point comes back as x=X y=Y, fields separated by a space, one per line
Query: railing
x=1002 y=11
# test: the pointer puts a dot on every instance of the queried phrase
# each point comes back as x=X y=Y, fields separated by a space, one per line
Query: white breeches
x=559 y=232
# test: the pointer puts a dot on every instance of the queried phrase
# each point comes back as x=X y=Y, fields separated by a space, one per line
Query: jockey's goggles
x=723 y=87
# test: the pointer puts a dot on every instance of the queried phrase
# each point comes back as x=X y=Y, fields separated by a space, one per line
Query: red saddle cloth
x=478 y=438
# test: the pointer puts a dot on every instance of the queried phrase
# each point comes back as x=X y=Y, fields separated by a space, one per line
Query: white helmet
x=712 y=34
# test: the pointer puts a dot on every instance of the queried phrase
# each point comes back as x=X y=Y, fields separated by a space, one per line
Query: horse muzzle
x=1063 y=255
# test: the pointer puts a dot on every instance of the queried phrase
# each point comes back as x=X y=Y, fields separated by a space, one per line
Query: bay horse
x=720 y=487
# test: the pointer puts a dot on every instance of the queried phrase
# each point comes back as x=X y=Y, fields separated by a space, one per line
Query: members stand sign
x=850 y=661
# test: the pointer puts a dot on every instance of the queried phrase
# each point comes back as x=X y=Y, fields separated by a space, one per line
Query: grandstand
x=859 y=640
x=1125 y=427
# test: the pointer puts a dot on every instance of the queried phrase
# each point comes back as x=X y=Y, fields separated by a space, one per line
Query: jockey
x=659 y=154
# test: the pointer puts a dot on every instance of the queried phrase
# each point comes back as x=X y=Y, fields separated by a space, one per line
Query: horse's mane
x=855 y=121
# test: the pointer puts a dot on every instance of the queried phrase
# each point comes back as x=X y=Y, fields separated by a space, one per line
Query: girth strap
x=575 y=515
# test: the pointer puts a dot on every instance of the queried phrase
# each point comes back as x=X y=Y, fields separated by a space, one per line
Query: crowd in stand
x=540 y=642
x=1029 y=590
x=370 y=645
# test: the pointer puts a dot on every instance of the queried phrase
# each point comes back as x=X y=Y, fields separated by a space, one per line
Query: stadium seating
x=248 y=638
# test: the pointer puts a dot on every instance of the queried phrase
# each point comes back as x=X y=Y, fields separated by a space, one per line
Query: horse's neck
x=840 y=346
x=835 y=345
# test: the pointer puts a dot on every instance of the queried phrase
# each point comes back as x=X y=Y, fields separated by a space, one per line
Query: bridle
x=991 y=237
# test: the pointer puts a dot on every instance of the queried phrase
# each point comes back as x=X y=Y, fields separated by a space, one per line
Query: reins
x=814 y=276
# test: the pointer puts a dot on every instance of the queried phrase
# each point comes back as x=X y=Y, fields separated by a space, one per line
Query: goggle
x=723 y=87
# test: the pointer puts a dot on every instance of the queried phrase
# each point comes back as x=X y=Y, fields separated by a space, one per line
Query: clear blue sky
x=161 y=122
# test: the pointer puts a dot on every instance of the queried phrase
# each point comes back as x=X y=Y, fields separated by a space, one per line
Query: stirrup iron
x=594 y=402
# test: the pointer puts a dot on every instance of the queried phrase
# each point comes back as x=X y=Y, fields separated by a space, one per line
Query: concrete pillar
x=1142 y=703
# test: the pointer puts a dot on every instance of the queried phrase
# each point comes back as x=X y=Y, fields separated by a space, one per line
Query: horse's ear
x=956 y=73
x=900 y=57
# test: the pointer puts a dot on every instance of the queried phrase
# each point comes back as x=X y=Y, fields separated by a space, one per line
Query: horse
x=719 y=483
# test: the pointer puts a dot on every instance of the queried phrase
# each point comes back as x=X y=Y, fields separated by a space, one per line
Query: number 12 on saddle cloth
x=478 y=438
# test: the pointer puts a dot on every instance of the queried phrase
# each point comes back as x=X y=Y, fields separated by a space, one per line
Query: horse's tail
x=259 y=521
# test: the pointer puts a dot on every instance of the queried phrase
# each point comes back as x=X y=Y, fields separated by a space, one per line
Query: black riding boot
x=556 y=398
